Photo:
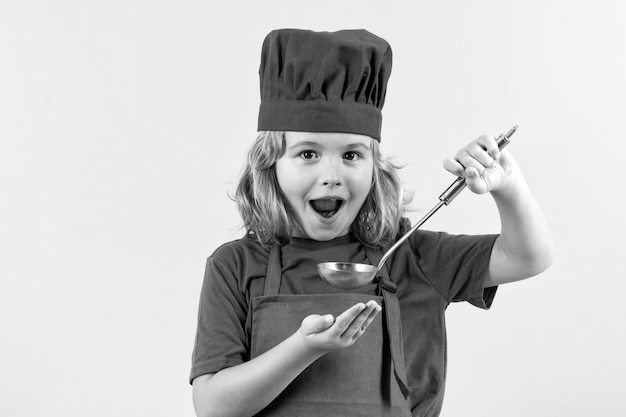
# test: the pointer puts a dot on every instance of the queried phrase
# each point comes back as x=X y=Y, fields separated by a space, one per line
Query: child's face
x=325 y=178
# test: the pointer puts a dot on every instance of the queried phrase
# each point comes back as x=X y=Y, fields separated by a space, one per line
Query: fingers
x=480 y=154
x=366 y=318
x=453 y=166
x=353 y=322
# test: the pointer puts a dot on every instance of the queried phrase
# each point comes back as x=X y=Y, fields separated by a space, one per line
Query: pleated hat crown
x=324 y=81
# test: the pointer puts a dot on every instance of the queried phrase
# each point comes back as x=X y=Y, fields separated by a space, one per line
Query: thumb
x=475 y=181
x=316 y=323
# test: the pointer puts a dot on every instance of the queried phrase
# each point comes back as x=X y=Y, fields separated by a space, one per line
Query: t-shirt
x=430 y=269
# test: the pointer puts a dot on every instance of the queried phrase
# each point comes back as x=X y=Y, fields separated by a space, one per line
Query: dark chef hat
x=323 y=81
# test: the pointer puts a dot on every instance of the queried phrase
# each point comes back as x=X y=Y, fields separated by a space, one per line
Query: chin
x=324 y=236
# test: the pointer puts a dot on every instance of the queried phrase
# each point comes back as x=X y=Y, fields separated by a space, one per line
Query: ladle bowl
x=348 y=275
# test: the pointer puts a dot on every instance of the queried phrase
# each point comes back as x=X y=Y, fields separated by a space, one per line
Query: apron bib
x=365 y=379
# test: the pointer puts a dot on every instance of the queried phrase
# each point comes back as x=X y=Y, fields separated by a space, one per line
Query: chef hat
x=323 y=81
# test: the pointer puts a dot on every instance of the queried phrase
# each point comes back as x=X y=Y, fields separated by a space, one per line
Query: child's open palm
x=325 y=333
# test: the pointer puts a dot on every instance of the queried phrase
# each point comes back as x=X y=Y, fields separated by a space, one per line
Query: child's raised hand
x=325 y=333
x=484 y=167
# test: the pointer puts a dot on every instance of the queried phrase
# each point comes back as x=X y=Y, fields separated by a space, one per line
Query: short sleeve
x=220 y=336
x=457 y=265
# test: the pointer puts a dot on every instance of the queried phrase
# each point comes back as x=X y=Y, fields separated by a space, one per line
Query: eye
x=308 y=154
x=351 y=156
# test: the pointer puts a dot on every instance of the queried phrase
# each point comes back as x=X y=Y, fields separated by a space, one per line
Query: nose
x=332 y=182
x=330 y=174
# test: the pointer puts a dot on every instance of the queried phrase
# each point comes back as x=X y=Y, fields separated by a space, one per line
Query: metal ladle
x=348 y=275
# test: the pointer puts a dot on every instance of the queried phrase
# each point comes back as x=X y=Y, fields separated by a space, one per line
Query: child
x=273 y=338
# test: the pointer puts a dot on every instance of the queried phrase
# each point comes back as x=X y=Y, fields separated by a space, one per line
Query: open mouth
x=326 y=207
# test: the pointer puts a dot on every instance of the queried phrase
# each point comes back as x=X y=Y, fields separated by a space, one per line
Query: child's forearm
x=246 y=389
x=524 y=247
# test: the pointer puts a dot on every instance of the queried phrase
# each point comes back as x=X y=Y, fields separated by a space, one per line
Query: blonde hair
x=265 y=214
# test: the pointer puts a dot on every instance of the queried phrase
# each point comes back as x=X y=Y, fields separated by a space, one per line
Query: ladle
x=348 y=275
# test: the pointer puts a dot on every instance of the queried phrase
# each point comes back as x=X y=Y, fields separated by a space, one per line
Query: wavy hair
x=265 y=214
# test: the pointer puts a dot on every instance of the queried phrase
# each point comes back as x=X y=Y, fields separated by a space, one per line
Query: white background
x=123 y=125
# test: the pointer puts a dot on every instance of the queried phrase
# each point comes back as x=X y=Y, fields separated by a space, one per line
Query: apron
x=365 y=379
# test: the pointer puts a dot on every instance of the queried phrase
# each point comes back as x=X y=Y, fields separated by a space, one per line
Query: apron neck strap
x=388 y=289
x=386 y=284
x=274 y=272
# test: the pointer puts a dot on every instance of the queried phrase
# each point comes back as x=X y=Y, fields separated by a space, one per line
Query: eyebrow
x=359 y=145
x=305 y=143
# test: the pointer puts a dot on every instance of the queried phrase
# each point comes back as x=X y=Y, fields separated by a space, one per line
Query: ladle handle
x=459 y=184
x=446 y=198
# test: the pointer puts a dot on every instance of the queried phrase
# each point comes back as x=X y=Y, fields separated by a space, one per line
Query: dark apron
x=365 y=379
